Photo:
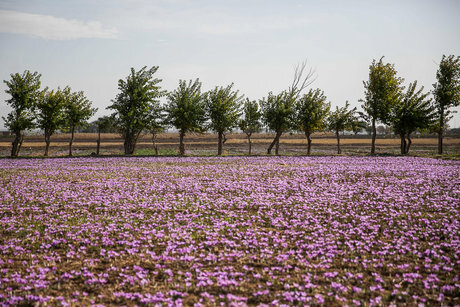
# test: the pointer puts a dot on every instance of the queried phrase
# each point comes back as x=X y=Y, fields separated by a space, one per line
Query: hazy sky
x=89 y=45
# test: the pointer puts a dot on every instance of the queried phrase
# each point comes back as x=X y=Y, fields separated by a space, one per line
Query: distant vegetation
x=137 y=109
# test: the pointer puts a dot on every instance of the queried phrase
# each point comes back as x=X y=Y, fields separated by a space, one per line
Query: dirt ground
x=236 y=144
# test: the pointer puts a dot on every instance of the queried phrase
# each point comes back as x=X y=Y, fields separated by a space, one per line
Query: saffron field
x=360 y=231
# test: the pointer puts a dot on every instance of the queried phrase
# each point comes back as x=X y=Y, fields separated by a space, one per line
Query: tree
x=446 y=93
x=186 y=110
x=278 y=110
x=156 y=124
x=277 y=113
x=133 y=104
x=414 y=111
x=104 y=124
x=342 y=119
x=311 y=111
x=25 y=91
x=50 y=108
x=382 y=92
x=223 y=108
x=77 y=111
x=250 y=123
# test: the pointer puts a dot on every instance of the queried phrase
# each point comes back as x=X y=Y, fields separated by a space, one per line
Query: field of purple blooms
x=360 y=231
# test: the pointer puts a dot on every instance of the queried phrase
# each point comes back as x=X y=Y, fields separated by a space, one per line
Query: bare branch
x=301 y=79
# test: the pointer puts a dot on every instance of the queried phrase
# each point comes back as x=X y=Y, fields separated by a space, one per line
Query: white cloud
x=50 y=27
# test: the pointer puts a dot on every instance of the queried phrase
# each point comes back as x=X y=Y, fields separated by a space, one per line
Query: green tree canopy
x=223 y=107
x=278 y=111
x=186 y=110
x=446 y=93
x=104 y=124
x=50 y=115
x=250 y=122
x=77 y=112
x=414 y=111
x=138 y=95
x=24 y=90
x=157 y=123
x=381 y=92
x=311 y=112
x=342 y=119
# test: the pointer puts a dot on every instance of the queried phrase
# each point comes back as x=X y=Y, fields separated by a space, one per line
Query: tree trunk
x=441 y=131
x=181 y=143
x=277 y=146
x=17 y=143
x=403 y=143
x=274 y=142
x=71 y=141
x=337 y=134
x=127 y=146
x=219 y=143
x=409 y=142
x=249 y=142
x=308 y=135
x=154 y=141
x=20 y=142
x=47 y=143
x=98 y=142
x=130 y=144
x=374 y=136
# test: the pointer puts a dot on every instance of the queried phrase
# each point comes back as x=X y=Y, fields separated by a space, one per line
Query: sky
x=256 y=44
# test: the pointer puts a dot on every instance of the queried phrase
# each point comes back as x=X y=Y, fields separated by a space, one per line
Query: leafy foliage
x=104 y=124
x=77 y=111
x=223 y=107
x=414 y=111
x=24 y=91
x=311 y=112
x=250 y=123
x=133 y=105
x=343 y=119
x=278 y=111
x=156 y=123
x=446 y=93
x=447 y=90
x=156 y=119
x=382 y=92
x=50 y=115
x=186 y=109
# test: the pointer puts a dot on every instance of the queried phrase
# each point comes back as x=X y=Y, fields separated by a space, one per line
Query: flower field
x=230 y=231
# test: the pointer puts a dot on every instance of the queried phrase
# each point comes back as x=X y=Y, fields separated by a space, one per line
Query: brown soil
x=323 y=143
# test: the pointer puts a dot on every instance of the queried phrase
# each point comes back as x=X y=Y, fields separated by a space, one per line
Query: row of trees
x=222 y=109
x=137 y=108
x=48 y=110
x=407 y=110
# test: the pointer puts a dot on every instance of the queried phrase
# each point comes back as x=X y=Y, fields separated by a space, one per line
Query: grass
x=151 y=152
